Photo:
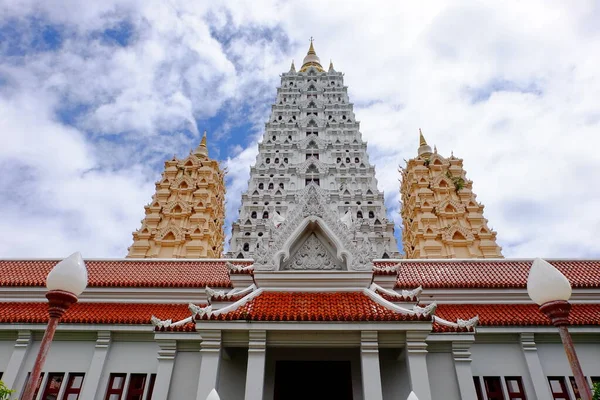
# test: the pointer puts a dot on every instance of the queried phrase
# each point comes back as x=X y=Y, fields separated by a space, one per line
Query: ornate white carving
x=312 y=256
x=214 y=293
x=416 y=310
x=160 y=323
x=200 y=311
x=277 y=219
x=234 y=292
x=470 y=323
x=312 y=202
x=238 y=268
x=311 y=138
x=312 y=161
x=404 y=293
x=425 y=311
x=412 y=293
x=389 y=268
x=347 y=219
x=459 y=324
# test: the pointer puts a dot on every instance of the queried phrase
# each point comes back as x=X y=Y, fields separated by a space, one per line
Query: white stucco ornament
x=277 y=219
x=347 y=220
x=545 y=283
x=69 y=275
x=213 y=395
x=412 y=396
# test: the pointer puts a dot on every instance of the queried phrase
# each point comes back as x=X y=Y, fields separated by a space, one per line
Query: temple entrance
x=315 y=380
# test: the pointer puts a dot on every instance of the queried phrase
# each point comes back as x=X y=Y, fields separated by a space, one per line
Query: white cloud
x=511 y=88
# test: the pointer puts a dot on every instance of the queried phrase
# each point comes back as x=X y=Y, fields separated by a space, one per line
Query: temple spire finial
x=424 y=148
x=311 y=59
x=202 y=150
x=422 y=141
x=331 y=66
x=292 y=67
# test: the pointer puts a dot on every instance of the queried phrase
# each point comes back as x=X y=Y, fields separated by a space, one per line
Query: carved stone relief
x=312 y=255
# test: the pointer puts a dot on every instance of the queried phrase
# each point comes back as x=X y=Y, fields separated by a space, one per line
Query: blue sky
x=95 y=97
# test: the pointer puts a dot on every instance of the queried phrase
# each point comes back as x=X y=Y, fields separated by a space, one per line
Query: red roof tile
x=94 y=313
x=123 y=273
x=310 y=306
x=490 y=274
x=513 y=314
x=277 y=306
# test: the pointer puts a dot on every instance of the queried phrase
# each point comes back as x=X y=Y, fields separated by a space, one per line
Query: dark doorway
x=315 y=380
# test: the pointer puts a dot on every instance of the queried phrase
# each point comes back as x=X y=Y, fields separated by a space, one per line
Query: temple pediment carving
x=313 y=234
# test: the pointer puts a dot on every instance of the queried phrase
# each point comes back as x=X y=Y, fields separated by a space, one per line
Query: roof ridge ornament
x=468 y=324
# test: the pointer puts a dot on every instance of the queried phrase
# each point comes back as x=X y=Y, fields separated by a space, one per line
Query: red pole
x=558 y=312
x=58 y=303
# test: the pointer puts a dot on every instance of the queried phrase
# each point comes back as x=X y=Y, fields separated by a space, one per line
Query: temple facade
x=186 y=215
x=440 y=214
x=313 y=301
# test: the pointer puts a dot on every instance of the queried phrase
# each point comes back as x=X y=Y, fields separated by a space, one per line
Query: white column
x=94 y=373
x=461 y=351
x=369 y=360
x=17 y=359
x=210 y=350
x=166 y=361
x=255 y=372
x=416 y=356
x=536 y=373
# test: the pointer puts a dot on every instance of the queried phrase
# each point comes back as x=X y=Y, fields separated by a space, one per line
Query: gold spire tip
x=311 y=49
x=203 y=142
x=422 y=141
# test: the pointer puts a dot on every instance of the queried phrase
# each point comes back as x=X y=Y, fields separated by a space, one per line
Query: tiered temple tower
x=440 y=216
x=312 y=136
x=186 y=215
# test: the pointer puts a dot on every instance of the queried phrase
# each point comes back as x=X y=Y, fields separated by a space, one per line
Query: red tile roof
x=490 y=274
x=513 y=314
x=199 y=273
x=123 y=273
x=273 y=306
x=310 y=306
x=93 y=313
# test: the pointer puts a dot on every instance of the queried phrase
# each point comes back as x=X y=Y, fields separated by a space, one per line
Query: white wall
x=6 y=350
x=395 y=381
x=501 y=359
x=129 y=357
x=232 y=374
x=442 y=376
x=63 y=356
x=554 y=360
x=184 y=382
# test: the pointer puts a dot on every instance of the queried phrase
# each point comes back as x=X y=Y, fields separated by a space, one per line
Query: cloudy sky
x=94 y=96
